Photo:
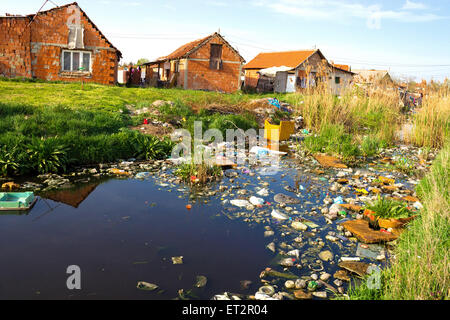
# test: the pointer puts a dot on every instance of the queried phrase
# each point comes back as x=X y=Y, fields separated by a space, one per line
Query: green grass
x=333 y=139
x=75 y=125
x=115 y=98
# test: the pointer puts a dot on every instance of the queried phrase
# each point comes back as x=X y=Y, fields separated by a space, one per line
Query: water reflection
x=121 y=232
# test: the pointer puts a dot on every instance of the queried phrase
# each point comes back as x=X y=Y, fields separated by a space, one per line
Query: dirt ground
x=155 y=130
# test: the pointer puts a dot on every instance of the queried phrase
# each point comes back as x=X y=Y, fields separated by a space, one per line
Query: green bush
x=387 y=209
x=149 y=147
x=47 y=155
x=9 y=163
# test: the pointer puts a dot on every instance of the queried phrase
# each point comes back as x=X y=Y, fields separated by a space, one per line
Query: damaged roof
x=185 y=50
x=290 y=59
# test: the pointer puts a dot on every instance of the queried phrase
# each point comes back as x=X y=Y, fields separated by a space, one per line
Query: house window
x=337 y=80
x=74 y=61
x=215 y=62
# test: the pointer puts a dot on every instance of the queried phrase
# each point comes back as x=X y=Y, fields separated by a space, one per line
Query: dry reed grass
x=432 y=121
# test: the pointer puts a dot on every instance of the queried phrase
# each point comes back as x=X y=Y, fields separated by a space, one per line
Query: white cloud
x=410 y=5
x=335 y=10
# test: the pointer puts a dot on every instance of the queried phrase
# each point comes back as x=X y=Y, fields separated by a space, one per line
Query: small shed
x=306 y=65
x=282 y=78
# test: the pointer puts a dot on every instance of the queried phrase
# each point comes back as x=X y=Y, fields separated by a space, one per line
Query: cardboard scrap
x=351 y=207
x=386 y=180
x=360 y=268
x=362 y=231
x=224 y=162
x=10 y=185
x=329 y=161
x=389 y=188
x=410 y=199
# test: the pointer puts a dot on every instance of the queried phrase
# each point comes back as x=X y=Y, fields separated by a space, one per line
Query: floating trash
x=240 y=203
x=177 y=260
x=277 y=215
x=146 y=286
x=256 y=201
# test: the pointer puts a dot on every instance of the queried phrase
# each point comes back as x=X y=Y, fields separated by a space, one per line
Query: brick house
x=297 y=61
x=210 y=63
x=58 y=44
x=304 y=67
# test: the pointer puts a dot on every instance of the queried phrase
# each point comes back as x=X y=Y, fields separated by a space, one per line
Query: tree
x=142 y=61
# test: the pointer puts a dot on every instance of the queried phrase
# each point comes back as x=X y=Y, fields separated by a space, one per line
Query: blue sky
x=408 y=37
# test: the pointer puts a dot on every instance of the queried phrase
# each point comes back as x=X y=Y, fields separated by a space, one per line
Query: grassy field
x=113 y=98
x=91 y=121
x=70 y=124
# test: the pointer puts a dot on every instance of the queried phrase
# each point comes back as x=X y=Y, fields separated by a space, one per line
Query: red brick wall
x=15 y=53
x=49 y=37
x=201 y=77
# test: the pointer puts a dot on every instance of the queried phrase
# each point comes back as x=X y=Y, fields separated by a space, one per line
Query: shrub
x=47 y=155
x=150 y=147
x=387 y=208
x=9 y=164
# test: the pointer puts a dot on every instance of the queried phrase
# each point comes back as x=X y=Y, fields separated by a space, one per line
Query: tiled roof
x=277 y=59
x=186 y=49
x=342 y=66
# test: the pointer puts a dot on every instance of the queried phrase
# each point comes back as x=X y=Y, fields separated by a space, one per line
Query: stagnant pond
x=122 y=231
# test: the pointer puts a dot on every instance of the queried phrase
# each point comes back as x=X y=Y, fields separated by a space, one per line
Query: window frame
x=337 y=80
x=81 y=52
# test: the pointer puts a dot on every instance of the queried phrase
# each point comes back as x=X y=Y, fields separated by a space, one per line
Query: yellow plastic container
x=279 y=133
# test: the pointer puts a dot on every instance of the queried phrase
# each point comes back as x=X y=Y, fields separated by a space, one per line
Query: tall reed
x=432 y=122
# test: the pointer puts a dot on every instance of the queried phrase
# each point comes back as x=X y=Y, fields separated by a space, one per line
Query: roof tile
x=277 y=59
